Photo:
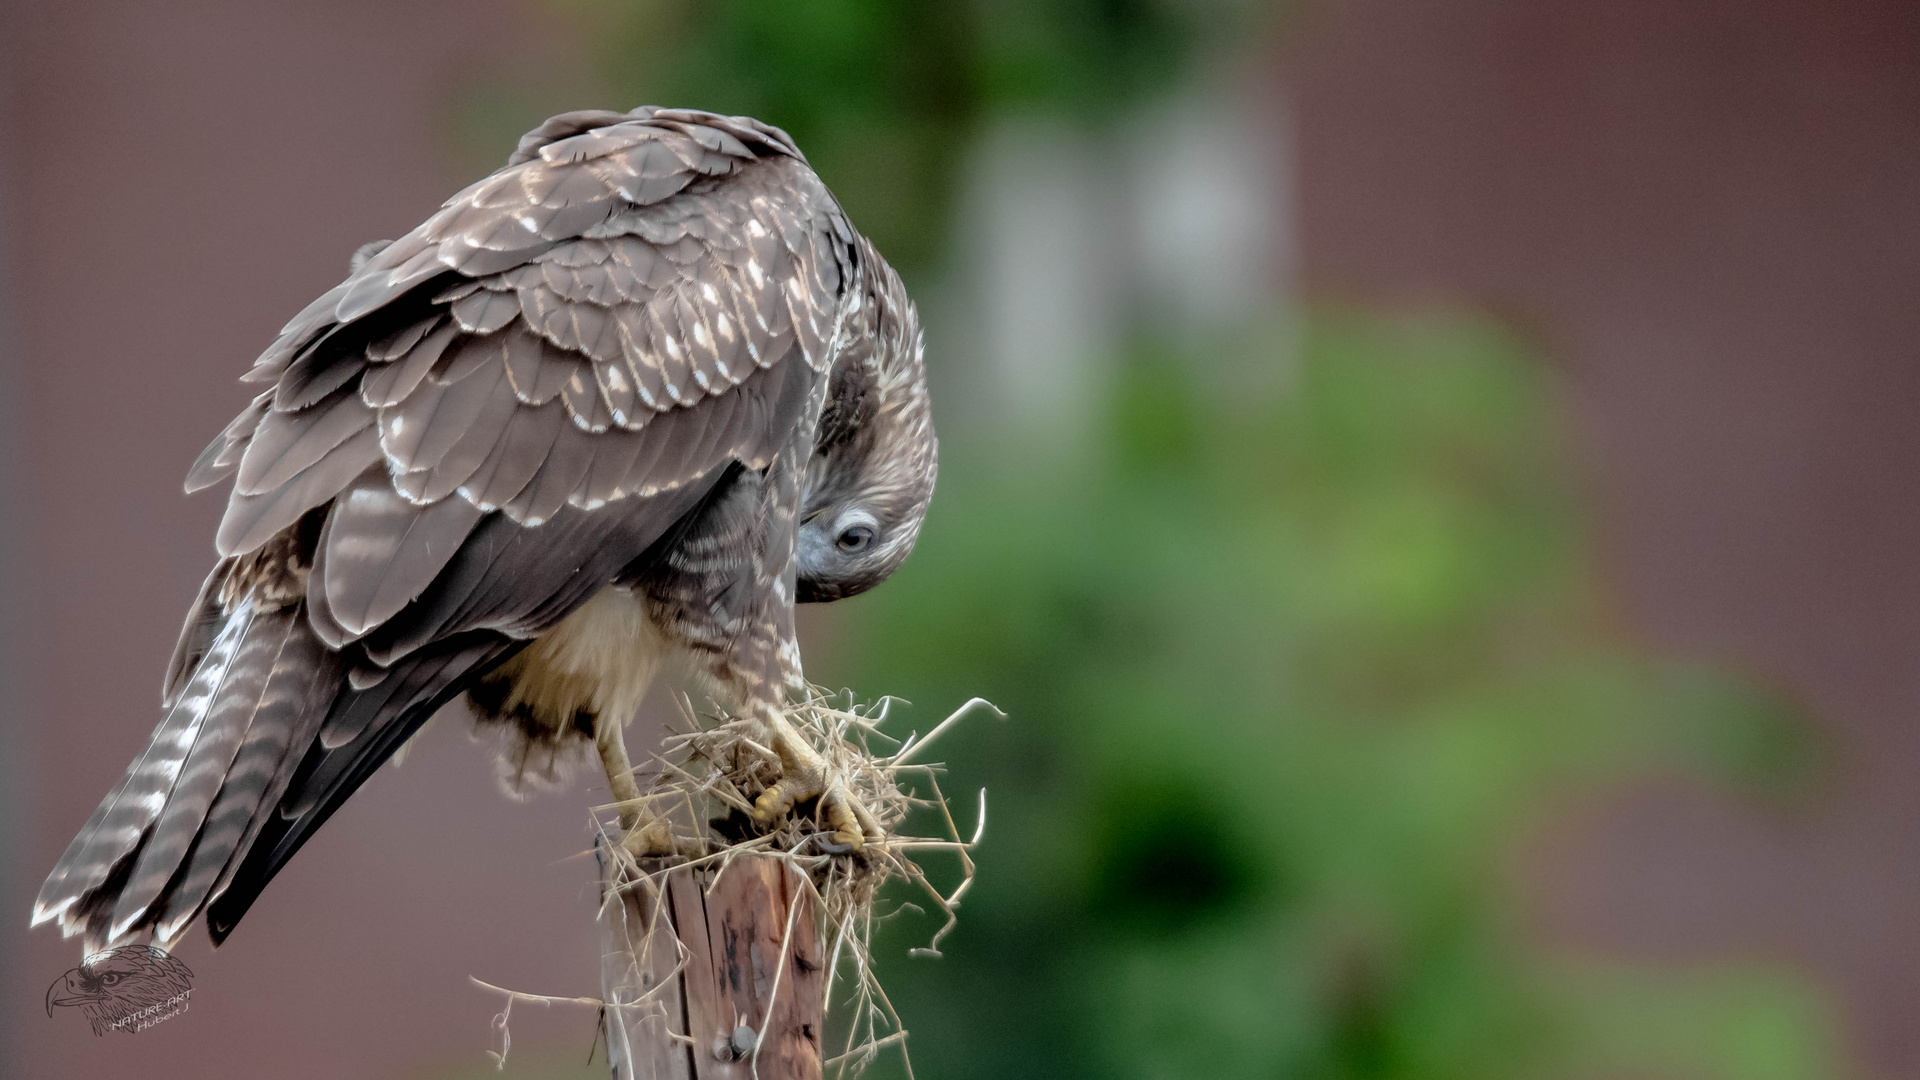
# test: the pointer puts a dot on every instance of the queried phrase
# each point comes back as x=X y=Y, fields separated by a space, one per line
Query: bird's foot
x=803 y=777
x=852 y=825
x=650 y=838
x=647 y=836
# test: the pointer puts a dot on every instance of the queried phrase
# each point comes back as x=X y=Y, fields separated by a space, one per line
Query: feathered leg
x=644 y=833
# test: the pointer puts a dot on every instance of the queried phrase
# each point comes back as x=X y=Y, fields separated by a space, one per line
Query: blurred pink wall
x=1709 y=214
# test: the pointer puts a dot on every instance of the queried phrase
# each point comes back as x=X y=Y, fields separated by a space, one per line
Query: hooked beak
x=70 y=998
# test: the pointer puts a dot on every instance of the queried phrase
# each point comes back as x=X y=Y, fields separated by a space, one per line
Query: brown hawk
x=635 y=393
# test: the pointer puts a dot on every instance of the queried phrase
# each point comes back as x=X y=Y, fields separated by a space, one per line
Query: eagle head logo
x=114 y=988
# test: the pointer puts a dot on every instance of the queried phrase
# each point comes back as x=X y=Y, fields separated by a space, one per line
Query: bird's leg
x=804 y=776
x=643 y=833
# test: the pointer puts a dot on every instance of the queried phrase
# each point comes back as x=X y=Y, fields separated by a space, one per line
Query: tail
x=168 y=839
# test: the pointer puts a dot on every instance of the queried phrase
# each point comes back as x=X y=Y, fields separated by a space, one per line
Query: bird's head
x=874 y=458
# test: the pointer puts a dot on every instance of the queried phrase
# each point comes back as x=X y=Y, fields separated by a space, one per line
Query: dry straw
x=702 y=783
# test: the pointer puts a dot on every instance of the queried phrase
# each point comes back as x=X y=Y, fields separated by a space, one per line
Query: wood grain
x=751 y=973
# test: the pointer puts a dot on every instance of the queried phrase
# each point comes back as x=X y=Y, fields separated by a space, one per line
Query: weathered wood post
x=711 y=972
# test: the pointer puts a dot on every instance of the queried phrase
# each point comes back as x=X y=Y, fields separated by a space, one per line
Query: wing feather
x=316 y=375
x=288 y=443
x=223 y=454
x=419 y=431
x=485 y=311
x=536 y=369
x=252 y=520
x=611 y=463
x=474 y=444
x=393 y=382
x=586 y=406
x=516 y=457
x=377 y=551
x=563 y=470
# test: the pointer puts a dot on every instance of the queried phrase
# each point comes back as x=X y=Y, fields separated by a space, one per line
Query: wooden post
x=747 y=1002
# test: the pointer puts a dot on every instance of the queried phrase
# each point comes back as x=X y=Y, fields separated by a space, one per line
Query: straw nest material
x=703 y=782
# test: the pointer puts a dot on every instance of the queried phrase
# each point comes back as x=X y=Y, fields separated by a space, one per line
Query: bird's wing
x=574 y=330
x=607 y=278
x=493 y=416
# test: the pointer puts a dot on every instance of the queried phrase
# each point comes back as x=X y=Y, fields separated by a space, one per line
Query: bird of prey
x=636 y=393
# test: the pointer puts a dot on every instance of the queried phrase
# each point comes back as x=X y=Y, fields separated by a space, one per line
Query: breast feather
x=600 y=661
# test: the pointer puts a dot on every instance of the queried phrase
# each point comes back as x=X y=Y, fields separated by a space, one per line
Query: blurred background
x=1430 y=482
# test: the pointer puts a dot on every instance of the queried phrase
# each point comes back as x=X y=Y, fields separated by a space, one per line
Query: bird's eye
x=111 y=978
x=856 y=539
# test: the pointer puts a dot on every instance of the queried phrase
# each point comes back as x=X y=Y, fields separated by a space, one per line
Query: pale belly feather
x=597 y=662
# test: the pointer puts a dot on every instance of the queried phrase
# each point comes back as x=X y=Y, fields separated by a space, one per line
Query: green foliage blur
x=1290 y=679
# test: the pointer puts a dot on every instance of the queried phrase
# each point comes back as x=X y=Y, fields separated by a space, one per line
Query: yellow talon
x=780 y=798
x=848 y=818
x=850 y=822
x=803 y=777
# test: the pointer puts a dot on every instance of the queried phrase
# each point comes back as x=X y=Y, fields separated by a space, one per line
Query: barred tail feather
x=206 y=770
x=304 y=680
x=100 y=854
x=240 y=772
x=204 y=620
x=324 y=775
x=171 y=835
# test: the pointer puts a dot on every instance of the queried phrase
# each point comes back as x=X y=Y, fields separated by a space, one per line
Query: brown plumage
x=634 y=393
